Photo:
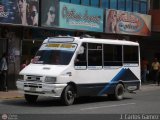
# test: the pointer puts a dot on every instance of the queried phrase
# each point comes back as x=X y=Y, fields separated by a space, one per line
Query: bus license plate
x=32 y=89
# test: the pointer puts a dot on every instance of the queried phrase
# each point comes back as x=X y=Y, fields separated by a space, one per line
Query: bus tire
x=118 y=93
x=68 y=95
x=31 y=98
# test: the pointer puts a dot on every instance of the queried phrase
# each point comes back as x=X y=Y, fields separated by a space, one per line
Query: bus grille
x=34 y=78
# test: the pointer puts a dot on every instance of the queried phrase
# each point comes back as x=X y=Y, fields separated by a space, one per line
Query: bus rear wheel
x=118 y=93
x=68 y=95
x=31 y=98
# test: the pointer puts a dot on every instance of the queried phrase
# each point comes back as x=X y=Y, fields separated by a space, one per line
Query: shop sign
x=80 y=17
x=49 y=13
x=7 y=14
x=122 y=22
x=23 y=12
x=3 y=14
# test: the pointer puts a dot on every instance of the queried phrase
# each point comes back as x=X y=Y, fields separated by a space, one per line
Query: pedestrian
x=158 y=79
x=155 y=67
x=24 y=63
x=144 y=69
x=3 y=69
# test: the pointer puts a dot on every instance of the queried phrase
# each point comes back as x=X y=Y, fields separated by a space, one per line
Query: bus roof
x=89 y=40
x=108 y=41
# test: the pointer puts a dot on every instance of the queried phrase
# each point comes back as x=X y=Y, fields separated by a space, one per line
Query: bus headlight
x=50 y=80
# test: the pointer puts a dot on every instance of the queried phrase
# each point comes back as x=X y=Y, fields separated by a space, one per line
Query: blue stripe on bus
x=114 y=80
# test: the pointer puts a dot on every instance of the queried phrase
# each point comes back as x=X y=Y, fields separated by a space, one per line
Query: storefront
x=10 y=43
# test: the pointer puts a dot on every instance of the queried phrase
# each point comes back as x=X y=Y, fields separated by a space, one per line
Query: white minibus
x=69 y=67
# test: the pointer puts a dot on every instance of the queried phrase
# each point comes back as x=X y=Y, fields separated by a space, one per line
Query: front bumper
x=41 y=89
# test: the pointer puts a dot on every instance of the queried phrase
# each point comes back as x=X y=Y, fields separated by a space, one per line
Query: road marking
x=91 y=108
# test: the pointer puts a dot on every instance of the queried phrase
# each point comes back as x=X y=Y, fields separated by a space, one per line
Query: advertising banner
x=49 y=13
x=80 y=17
x=23 y=12
x=122 y=22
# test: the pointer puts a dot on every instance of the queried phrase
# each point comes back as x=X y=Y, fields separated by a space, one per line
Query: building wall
x=155 y=20
x=13 y=40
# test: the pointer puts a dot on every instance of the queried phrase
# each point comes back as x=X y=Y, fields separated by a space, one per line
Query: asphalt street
x=145 y=101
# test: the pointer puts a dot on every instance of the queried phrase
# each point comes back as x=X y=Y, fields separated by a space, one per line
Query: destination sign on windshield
x=59 y=46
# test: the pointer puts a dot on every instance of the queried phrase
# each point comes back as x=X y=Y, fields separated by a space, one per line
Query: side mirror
x=81 y=50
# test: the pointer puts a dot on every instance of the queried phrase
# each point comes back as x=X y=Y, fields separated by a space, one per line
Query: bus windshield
x=55 y=54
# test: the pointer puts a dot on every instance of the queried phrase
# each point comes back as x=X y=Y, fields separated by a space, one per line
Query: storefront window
x=135 y=5
x=105 y=3
x=129 y=5
x=121 y=4
x=143 y=8
x=75 y=1
x=113 y=4
x=95 y=3
x=85 y=2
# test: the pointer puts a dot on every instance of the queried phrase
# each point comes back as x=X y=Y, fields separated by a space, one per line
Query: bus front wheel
x=118 y=93
x=68 y=95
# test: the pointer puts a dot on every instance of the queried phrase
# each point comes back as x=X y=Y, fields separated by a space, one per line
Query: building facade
x=24 y=24
x=154 y=39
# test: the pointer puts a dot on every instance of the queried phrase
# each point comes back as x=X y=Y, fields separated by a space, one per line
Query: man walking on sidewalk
x=3 y=70
x=155 y=68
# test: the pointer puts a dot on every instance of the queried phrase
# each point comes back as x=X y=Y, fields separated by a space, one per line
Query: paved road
x=145 y=101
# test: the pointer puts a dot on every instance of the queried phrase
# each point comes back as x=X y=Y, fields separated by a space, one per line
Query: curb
x=8 y=98
x=10 y=95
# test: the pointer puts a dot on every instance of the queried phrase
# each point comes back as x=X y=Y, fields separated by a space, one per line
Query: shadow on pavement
x=50 y=102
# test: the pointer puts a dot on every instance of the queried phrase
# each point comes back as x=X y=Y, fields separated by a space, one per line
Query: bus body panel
x=97 y=80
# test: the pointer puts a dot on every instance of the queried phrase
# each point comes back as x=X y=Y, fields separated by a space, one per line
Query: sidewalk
x=10 y=94
x=149 y=87
x=13 y=94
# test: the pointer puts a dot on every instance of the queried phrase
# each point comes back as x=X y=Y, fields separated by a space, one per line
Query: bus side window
x=81 y=59
x=94 y=54
x=130 y=54
x=94 y=58
x=112 y=55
